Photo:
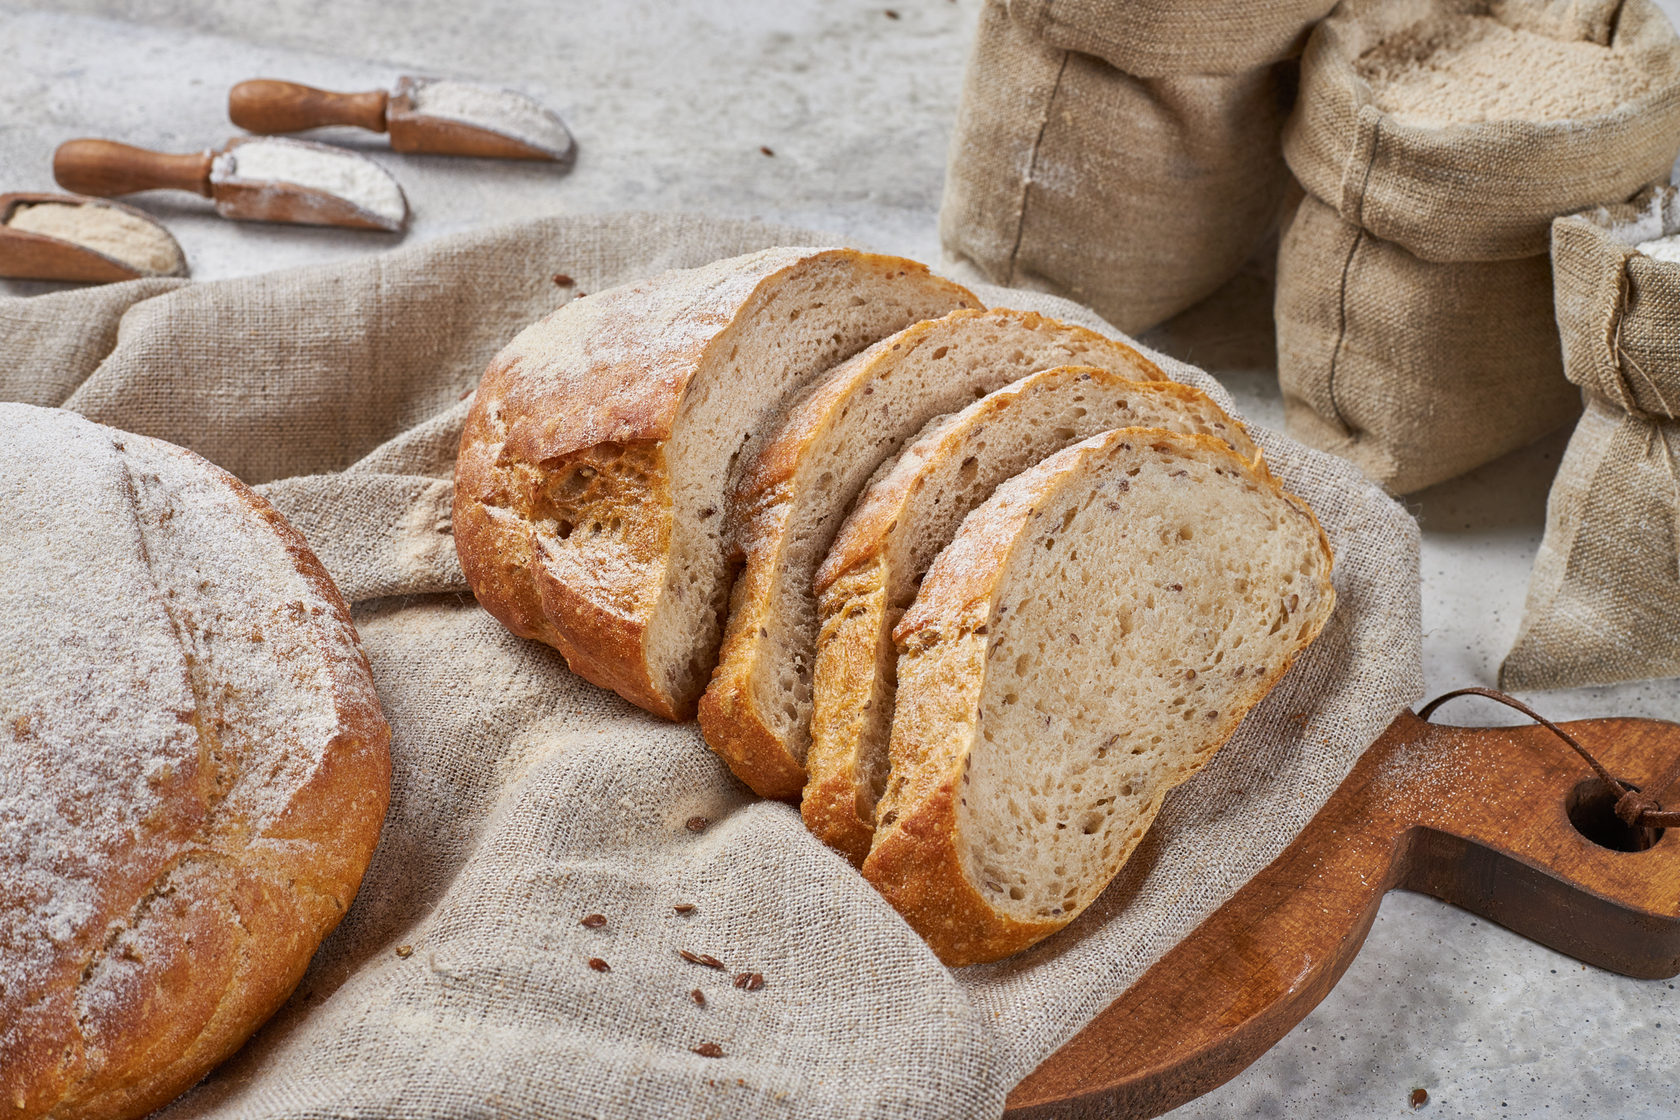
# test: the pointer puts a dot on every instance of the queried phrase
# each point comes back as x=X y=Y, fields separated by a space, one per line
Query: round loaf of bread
x=193 y=765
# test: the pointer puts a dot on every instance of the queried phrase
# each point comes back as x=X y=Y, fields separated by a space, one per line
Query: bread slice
x=756 y=711
x=904 y=520
x=604 y=440
x=1095 y=632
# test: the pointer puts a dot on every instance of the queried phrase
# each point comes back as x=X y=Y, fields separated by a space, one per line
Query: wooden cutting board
x=1506 y=822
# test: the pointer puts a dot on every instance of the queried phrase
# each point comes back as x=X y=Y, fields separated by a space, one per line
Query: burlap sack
x=1125 y=155
x=1414 y=321
x=1604 y=600
x=524 y=798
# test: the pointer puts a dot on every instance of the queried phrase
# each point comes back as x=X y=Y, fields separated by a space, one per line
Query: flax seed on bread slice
x=1091 y=637
x=794 y=495
x=902 y=522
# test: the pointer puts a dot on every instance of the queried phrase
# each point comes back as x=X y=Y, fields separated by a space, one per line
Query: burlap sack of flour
x=524 y=798
x=1125 y=155
x=1414 y=311
x=1604 y=599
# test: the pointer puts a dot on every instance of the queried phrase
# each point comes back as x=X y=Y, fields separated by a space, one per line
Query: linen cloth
x=525 y=799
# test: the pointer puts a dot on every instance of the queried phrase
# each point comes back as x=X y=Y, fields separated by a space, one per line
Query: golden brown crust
x=194 y=960
x=604 y=377
x=916 y=862
x=732 y=726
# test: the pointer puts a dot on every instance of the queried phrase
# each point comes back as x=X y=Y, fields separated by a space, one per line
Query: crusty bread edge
x=346 y=799
x=916 y=862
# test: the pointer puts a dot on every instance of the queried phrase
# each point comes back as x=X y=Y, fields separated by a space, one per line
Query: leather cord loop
x=1637 y=808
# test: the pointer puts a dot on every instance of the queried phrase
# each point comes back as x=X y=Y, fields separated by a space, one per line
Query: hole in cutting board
x=1592 y=810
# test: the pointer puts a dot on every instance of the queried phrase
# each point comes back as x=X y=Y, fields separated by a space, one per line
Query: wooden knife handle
x=268 y=106
x=105 y=169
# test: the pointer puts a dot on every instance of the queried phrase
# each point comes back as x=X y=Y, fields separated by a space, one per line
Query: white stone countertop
x=671 y=101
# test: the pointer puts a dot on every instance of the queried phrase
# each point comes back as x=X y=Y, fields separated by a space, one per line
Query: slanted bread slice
x=1091 y=637
x=900 y=525
x=603 y=442
x=792 y=498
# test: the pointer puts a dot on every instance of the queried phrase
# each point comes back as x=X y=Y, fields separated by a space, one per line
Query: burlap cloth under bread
x=525 y=799
x=1604 y=600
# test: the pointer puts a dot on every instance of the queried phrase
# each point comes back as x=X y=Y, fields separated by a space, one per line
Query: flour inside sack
x=1465 y=67
x=126 y=238
x=316 y=167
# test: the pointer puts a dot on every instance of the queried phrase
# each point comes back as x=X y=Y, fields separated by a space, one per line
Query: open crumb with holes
x=900 y=524
x=1092 y=636
x=794 y=495
x=604 y=442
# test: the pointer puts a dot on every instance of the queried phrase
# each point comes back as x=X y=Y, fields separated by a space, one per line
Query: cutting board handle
x=1502 y=821
x=269 y=106
x=104 y=169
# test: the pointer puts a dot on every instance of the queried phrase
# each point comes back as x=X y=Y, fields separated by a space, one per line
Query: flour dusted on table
x=316 y=167
x=126 y=238
x=1464 y=67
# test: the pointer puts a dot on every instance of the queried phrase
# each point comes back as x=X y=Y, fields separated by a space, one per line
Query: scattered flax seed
x=698 y=997
x=890 y=14
x=700 y=958
x=594 y=921
x=709 y=1050
x=599 y=965
x=405 y=951
x=684 y=907
x=561 y=280
x=697 y=824
x=766 y=150
x=1419 y=1098
x=751 y=981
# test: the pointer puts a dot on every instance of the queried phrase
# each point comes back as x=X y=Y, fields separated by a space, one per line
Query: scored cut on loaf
x=901 y=523
x=793 y=496
x=599 y=452
x=194 y=767
x=1091 y=637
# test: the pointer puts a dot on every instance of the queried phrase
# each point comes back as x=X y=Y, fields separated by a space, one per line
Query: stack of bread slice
x=979 y=587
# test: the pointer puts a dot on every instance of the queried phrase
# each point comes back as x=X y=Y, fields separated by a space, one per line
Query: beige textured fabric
x=1414 y=324
x=1159 y=38
x=1137 y=192
x=524 y=799
x=1604 y=600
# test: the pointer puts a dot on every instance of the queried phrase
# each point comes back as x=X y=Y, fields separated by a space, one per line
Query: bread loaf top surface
x=180 y=689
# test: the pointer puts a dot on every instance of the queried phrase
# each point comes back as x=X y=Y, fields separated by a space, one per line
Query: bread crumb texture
x=1094 y=634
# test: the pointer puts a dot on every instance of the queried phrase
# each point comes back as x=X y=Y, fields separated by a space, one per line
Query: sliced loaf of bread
x=604 y=441
x=794 y=495
x=902 y=522
x=1091 y=637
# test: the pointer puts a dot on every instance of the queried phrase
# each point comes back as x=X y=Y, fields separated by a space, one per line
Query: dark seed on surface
x=405 y=951
x=561 y=280
x=764 y=148
x=709 y=1050
x=700 y=958
x=593 y=921
x=698 y=997
x=697 y=824
x=599 y=965
x=684 y=907
x=1419 y=1098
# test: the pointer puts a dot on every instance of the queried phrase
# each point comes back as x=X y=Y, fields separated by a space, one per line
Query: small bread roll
x=193 y=766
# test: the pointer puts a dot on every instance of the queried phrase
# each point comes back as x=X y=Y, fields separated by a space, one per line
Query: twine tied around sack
x=1637 y=808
